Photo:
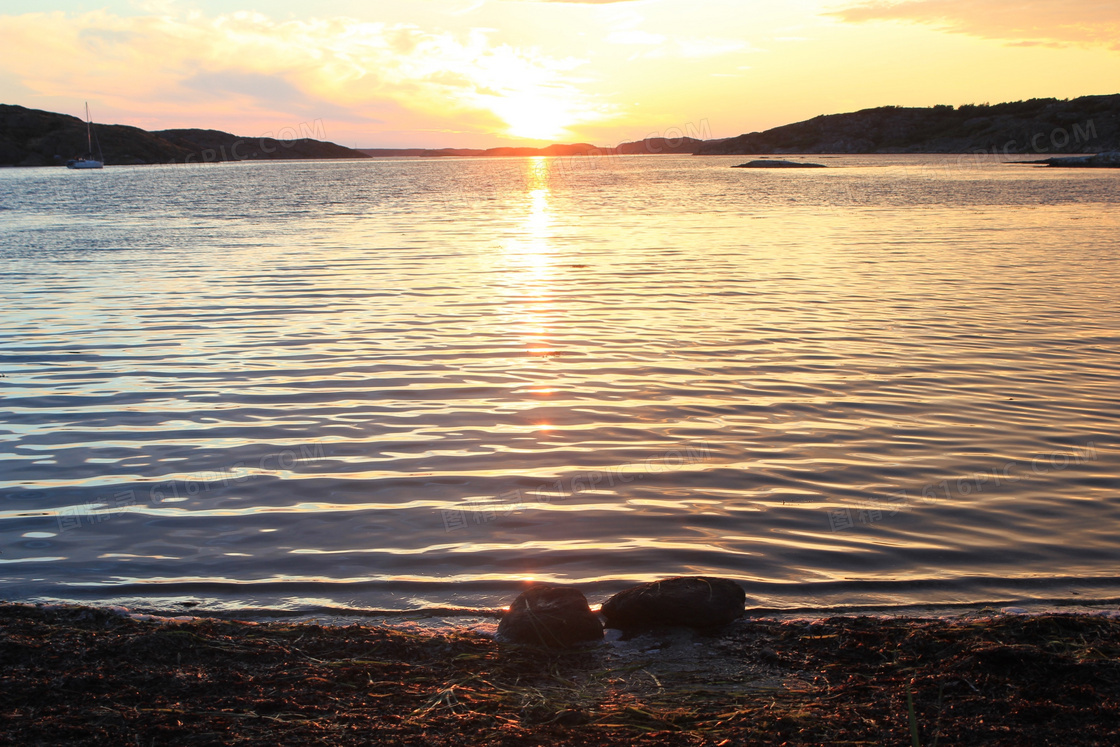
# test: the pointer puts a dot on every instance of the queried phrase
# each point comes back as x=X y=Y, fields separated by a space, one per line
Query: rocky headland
x=1090 y=124
x=32 y=137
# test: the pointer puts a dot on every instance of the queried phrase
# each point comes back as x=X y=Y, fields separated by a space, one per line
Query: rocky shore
x=81 y=676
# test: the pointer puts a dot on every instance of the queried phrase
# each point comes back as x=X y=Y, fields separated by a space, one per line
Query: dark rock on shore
x=689 y=601
x=767 y=164
x=552 y=616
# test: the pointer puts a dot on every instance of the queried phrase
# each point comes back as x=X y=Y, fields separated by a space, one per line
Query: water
x=415 y=384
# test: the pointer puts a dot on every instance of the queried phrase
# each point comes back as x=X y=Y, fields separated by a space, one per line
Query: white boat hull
x=81 y=162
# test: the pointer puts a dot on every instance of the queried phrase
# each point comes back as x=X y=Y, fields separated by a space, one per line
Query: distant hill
x=215 y=145
x=659 y=145
x=576 y=149
x=31 y=137
x=648 y=146
x=1089 y=124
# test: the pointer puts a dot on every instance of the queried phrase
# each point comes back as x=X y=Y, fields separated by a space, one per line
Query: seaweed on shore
x=90 y=677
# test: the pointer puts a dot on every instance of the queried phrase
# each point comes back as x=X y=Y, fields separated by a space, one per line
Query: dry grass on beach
x=85 y=676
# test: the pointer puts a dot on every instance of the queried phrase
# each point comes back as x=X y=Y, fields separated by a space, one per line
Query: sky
x=485 y=73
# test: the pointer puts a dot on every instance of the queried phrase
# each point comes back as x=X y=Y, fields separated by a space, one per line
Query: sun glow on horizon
x=448 y=74
x=534 y=118
x=533 y=94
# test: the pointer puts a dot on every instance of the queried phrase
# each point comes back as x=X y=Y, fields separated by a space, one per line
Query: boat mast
x=89 y=137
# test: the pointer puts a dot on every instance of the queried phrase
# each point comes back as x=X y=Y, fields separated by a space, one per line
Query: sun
x=537 y=97
x=534 y=117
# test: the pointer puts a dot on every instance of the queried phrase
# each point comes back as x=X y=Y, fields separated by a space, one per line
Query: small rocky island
x=1109 y=160
x=768 y=164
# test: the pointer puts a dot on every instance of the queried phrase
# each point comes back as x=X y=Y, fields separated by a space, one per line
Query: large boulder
x=553 y=616
x=689 y=601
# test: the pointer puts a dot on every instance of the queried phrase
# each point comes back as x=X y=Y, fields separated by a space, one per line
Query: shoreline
x=82 y=675
x=331 y=615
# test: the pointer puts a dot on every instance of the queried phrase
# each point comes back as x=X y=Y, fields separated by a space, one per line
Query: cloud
x=710 y=47
x=682 y=47
x=635 y=37
x=1024 y=22
x=251 y=68
x=663 y=46
x=267 y=91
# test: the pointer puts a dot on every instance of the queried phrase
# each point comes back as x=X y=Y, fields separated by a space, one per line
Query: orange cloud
x=1026 y=22
x=244 y=67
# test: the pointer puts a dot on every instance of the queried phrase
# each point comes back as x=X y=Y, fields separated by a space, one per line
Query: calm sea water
x=404 y=384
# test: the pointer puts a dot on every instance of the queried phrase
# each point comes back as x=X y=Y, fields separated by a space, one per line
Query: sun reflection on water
x=534 y=241
x=530 y=254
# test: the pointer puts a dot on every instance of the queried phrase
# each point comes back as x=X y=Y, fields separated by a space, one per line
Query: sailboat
x=88 y=163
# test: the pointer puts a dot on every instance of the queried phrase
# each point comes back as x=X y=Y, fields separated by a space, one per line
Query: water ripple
x=395 y=384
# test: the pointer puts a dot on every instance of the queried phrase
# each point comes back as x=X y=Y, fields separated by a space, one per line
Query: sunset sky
x=483 y=73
